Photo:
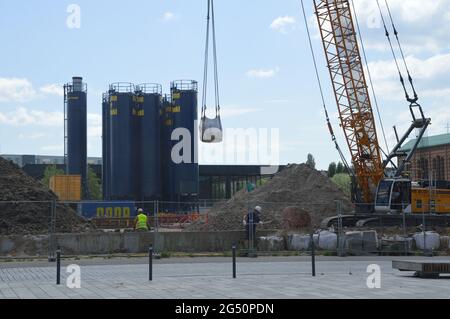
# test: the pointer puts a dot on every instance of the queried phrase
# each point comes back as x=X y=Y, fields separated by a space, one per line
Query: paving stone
x=264 y=279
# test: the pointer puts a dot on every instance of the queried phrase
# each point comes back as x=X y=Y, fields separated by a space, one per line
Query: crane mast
x=339 y=39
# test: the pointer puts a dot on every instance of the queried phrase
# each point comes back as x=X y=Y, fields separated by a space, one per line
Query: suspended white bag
x=211 y=130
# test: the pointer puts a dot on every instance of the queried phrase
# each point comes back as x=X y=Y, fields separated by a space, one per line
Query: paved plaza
x=211 y=278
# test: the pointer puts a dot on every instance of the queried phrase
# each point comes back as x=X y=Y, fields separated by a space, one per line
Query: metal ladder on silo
x=67 y=87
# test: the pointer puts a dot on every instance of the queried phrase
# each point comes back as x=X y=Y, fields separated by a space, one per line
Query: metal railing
x=184 y=85
x=149 y=88
x=121 y=87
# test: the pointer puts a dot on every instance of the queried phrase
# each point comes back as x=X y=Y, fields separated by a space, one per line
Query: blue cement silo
x=148 y=99
x=185 y=116
x=75 y=98
x=123 y=175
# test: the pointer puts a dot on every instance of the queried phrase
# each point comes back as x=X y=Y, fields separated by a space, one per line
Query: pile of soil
x=25 y=205
x=296 y=186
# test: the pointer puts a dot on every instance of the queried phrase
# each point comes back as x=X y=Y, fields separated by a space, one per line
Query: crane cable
x=401 y=50
x=408 y=98
x=330 y=127
x=211 y=22
x=370 y=80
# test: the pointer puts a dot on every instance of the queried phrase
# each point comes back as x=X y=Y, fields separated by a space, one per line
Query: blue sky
x=266 y=73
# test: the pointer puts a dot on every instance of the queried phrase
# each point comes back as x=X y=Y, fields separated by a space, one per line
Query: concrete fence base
x=126 y=243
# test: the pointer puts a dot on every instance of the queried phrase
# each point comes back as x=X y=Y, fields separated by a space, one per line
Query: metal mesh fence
x=280 y=228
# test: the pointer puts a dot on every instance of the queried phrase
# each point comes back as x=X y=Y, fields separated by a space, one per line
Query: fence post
x=58 y=266
x=405 y=234
x=340 y=242
x=52 y=231
x=150 y=263
x=156 y=208
x=313 y=255
x=234 y=260
x=252 y=233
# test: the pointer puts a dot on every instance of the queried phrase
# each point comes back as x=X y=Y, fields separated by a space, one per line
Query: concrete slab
x=423 y=268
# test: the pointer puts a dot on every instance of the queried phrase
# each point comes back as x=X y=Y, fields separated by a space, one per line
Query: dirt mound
x=297 y=185
x=25 y=206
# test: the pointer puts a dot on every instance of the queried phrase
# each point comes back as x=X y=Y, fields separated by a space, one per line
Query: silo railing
x=184 y=85
x=122 y=87
x=149 y=88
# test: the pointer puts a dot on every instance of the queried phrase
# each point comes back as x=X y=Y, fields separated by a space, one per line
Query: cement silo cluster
x=138 y=142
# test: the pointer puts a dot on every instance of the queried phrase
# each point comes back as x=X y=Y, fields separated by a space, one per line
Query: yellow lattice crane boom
x=345 y=65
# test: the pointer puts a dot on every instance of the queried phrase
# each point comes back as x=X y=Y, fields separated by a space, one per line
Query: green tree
x=332 y=169
x=340 y=169
x=311 y=162
x=49 y=172
x=343 y=182
x=94 y=184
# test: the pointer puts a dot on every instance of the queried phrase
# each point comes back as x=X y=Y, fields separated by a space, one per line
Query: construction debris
x=26 y=205
x=312 y=194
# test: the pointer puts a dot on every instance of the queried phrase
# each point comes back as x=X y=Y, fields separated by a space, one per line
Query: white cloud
x=425 y=71
x=233 y=111
x=94 y=122
x=22 y=90
x=263 y=73
x=408 y=11
x=283 y=24
x=440 y=117
x=169 y=16
x=414 y=20
x=52 y=89
x=32 y=136
x=16 y=90
x=421 y=68
x=94 y=119
x=24 y=117
x=441 y=92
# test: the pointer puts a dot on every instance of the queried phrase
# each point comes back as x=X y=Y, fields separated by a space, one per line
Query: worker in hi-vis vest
x=141 y=221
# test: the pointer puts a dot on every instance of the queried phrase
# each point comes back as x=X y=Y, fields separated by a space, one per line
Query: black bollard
x=150 y=263
x=58 y=267
x=234 y=261
x=313 y=256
